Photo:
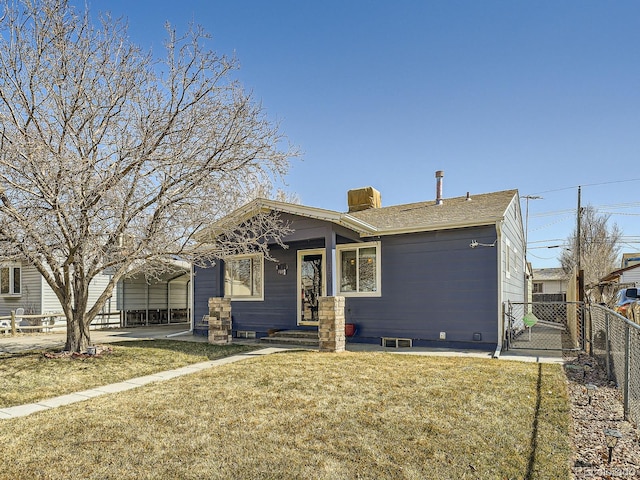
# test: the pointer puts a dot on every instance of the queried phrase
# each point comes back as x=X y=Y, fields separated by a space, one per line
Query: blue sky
x=541 y=96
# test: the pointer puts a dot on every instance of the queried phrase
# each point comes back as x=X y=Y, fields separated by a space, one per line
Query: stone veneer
x=220 y=321
x=331 y=324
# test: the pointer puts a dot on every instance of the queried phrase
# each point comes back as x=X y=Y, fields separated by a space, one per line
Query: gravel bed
x=591 y=417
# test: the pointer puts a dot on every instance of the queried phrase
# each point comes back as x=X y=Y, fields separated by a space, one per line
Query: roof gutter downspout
x=500 y=282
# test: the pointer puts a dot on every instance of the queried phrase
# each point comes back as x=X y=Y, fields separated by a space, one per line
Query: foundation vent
x=397 y=342
x=245 y=334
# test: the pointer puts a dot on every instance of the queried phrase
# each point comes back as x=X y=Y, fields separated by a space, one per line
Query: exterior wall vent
x=397 y=342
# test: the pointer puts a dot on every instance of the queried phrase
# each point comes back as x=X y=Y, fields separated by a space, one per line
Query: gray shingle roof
x=482 y=209
x=546 y=274
x=458 y=212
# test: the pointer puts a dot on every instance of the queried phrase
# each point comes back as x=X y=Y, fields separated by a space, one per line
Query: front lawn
x=30 y=376
x=308 y=415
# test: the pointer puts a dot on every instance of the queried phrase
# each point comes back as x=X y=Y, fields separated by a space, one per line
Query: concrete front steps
x=297 y=338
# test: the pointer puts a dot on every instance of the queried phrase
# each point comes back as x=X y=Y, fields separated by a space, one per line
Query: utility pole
x=579 y=249
x=578 y=234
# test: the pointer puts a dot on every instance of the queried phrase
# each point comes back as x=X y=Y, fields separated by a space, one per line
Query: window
x=537 y=287
x=10 y=280
x=243 y=277
x=359 y=269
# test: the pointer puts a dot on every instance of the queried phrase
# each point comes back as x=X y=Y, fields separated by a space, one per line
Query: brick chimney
x=363 y=199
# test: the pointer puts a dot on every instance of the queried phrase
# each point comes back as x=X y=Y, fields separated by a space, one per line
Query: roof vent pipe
x=439 y=175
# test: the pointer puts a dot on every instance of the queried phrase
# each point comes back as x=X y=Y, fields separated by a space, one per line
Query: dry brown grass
x=310 y=415
x=28 y=377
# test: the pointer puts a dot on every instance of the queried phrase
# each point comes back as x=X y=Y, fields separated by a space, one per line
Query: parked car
x=628 y=304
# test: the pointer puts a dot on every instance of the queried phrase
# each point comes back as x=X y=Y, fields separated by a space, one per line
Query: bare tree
x=279 y=195
x=599 y=246
x=111 y=159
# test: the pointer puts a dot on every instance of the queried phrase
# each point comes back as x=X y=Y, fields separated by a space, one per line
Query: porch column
x=331 y=324
x=220 y=321
x=332 y=268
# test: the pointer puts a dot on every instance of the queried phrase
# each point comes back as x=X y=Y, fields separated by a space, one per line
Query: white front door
x=311 y=284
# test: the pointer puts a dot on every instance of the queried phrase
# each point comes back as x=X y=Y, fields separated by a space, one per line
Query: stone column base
x=331 y=324
x=220 y=321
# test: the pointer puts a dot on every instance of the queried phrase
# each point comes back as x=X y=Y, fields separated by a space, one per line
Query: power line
x=597 y=207
x=588 y=185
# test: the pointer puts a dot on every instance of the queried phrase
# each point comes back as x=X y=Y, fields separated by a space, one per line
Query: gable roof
x=458 y=212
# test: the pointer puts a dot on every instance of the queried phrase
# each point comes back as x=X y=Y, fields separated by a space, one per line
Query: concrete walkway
x=28 y=409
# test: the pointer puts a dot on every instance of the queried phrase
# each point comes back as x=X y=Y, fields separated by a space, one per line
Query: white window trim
x=11 y=267
x=354 y=246
x=254 y=298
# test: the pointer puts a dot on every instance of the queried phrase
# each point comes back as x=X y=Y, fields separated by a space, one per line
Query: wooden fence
x=48 y=322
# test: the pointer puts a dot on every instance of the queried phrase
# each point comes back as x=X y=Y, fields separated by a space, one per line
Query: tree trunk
x=78 y=335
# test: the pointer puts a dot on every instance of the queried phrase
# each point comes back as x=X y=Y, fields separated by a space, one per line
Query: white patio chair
x=19 y=320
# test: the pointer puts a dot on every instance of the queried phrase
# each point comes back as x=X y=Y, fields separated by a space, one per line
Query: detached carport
x=161 y=300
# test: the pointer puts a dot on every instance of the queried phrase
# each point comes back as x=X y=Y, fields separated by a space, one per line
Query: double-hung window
x=244 y=277
x=10 y=279
x=359 y=269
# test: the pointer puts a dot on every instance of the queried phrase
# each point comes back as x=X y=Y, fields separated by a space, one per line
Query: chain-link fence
x=615 y=342
x=544 y=326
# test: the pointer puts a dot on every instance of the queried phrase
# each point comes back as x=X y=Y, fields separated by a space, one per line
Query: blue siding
x=206 y=284
x=278 y=310
x=431 y=283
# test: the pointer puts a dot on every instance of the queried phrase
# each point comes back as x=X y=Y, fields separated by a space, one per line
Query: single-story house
x=137 y=299
x=433 y=273
x=22 y=286
x=627 y=276
x=550 y=284
x=605 y=291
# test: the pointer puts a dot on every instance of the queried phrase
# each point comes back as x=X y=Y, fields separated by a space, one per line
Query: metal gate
x=554 y=326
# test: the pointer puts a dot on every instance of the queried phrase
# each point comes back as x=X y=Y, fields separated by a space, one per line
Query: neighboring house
x=137 y=300
x=630 y=259
x=22 y=286
x=434 y=272
x=607 y=288
x=627 y=276
x=550 y=284
x=163 y=299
